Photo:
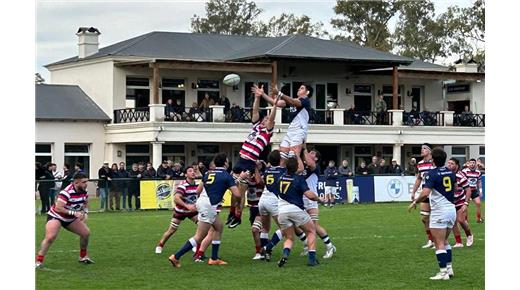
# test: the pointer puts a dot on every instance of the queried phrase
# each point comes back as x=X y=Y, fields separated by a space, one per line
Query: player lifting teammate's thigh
x=440 y=184
x=292 y=213
x=211 y=192
x=257 y=140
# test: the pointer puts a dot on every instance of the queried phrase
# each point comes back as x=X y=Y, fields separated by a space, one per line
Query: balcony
x=132 y=115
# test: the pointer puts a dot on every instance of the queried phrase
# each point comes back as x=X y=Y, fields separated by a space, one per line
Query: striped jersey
x=188 y=192
x=254 y=192
x=73 y=201
x=256 y=141
x=423 y=167
x=473 y=177
x=462 y=184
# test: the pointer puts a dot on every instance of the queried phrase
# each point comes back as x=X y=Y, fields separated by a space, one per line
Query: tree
x=466 y=29
x=290 y=24
x=366 y=22
x=228 y=17
x=418 y=33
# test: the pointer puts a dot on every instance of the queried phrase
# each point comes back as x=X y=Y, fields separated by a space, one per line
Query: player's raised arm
x=255 y=116
x=200 y=188
x=311 y=195
x=272 y=115
x=288 y=100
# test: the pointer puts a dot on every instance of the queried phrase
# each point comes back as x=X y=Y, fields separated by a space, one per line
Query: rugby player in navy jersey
x=257 y=140
x=423 y=167
x=69 y=211
x=440 y=185
x=292 y=212
x=211 y=191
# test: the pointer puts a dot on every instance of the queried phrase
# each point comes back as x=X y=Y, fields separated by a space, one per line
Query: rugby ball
x=231 y=80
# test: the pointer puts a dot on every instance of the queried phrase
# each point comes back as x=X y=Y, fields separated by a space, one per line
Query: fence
x=190 y=114
x=132 y=115
x=469 y=120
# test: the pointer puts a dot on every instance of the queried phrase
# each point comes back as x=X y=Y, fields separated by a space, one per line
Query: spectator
x=170 y=164
x=373 y=168
x=169 y=110
x=68 y=174
x=395 y=168
x=133 y=186
x=149 y=172
x=331 y=175
x=178 y=110
x=344 y=169
x=381 y=110
x=197 y=170
x=411 y=170
x=202 y=168
x=123 y=173
x=224 y=101
x=353 y=116
x=45 y=185
x=383 y=168
x=236 y=113
x=164 y=172
x=115 y=191
x=362 y=169
x=467 y=117
x=58 y=176
x=104 y=175
x=177 y=170
x=194 y=112
x=78 y=168
x=206 y=102
x=480 y=166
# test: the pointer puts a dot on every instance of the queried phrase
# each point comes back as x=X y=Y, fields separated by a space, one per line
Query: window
x=249 y=97
x=78 y=153
x=286 y=89
x=206 y=152
x=136 y=153
x=482 y=154
x=388 y=96
x=459 y=153
x=320 y=95
x=332 y=90
x=137 y=92
x=173 y=152
x=295 y=87
x=43 y=153
x=363 y=97
x=173 y=89
x=362 y=153
x=388 y=153
x=211 y=87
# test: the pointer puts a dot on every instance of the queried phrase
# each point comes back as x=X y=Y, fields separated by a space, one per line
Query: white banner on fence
x=393 y=188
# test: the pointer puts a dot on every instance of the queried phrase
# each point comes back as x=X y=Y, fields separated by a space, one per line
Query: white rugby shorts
x=268 y=205
x=206 y=212
x=296 y=218
x=443 y=218
x=308 y=204
x=294 y=138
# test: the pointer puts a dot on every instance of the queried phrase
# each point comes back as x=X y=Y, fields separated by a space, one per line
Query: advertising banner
x=393 y=188
x=158 y=193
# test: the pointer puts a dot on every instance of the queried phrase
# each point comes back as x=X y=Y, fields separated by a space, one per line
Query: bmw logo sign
x=395 y=188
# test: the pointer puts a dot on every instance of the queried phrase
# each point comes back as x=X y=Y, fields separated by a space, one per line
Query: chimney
x=470 y=66
x=87 y=41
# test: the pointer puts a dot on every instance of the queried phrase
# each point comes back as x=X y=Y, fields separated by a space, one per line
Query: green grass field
x=378 y=248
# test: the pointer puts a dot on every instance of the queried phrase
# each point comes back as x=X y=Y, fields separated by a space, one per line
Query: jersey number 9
x=211 y=178
x=446 y=181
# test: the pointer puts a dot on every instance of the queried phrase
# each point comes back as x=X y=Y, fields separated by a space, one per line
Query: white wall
x=59 y=133
x=95 y=79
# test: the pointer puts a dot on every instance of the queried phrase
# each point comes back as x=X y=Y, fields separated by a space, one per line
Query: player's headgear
x=427 y=146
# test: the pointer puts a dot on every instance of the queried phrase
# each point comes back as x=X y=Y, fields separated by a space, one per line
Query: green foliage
x=378 y=247
x=287 y=24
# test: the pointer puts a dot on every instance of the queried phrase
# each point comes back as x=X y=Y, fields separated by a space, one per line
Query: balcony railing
x=321 y=116
x=189 y=114
x=423 y=119
x=469 y=120
x=132 y=115
x=367 y=118
x=243 y=115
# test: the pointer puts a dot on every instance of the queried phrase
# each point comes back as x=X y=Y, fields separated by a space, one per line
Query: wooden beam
x=154 y=96
x=441 y=75
x=274 y=73
x=395 y=86
x=217 y=66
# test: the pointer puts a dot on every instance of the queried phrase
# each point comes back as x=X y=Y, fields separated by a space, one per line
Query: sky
x=58 y=21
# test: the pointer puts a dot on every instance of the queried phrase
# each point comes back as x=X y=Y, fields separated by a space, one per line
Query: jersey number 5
x=284 y=185
x=211 y=178
x=446 y=181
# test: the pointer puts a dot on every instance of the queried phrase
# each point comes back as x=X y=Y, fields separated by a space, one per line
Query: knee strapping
x=315 y=217
x=174 y=225
x=257 y=225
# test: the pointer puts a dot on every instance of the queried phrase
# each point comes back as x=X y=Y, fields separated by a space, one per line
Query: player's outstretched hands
x=274 y=90
x=245 y=175
x=258 y=91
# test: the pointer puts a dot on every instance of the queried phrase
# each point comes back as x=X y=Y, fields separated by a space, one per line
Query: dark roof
x=218 y=47
x=417 y=65
x=66 y=102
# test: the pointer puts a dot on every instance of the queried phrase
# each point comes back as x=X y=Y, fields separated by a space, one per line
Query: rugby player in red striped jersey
x=423 y=167
x=69 y=211
x=255 y=143
x=462 y=194
x=475 y=183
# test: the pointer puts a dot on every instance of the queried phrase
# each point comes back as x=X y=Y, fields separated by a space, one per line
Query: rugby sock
x=430 y=237
x=448 y=254
x=312 y=256
x=264 y=239
x=458 y=239
x=442 y=258
x=302 y=237
x=82 y=253
x=478 y=216
x=186 y=248
x=214 y=249
x=232 y=210
x=286 y=251
x=325 y=239
x=277 y=236
x=258 y=249
x=40 y=258
x=467 y=232
x=161 y=244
